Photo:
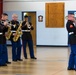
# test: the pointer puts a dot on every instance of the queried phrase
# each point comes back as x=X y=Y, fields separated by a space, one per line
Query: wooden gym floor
x=50 y=61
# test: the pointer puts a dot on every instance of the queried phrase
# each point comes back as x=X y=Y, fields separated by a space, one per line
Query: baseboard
x=47 y=45
x=52 y=45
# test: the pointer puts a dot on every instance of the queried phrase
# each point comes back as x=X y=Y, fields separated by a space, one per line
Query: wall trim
x=26 y=0
x=51 y=45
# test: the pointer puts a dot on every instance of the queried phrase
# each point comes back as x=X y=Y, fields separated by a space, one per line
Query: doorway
x=32 y=19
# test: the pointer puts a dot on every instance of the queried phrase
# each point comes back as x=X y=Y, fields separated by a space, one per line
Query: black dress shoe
x=4 y=65
x=33 y=58
x=70 y=69
x=26 y=58
x=19 y=59
x=15 y=60
x=8 y=62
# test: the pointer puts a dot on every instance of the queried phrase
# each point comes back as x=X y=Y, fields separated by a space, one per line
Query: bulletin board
x=54 y=13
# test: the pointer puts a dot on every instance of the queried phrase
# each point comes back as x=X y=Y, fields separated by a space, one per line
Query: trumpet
x=28 y=25
x=8 y=22
x=2 y=22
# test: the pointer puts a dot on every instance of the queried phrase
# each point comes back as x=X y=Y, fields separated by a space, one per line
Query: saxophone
x=18 y=33
x=8 y=31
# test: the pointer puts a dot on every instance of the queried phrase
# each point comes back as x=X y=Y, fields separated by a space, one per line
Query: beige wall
x=39 y=0
x=23 y=6
x=55 y=36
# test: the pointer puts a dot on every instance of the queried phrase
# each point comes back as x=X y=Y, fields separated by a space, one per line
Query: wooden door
x=32 y=16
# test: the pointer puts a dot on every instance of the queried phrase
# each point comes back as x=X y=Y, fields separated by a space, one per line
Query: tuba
x=18 y=33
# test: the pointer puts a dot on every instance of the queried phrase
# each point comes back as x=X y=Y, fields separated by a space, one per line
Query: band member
x=16 y=45
x=27 y=37
x=3 y=48
x=71 y=28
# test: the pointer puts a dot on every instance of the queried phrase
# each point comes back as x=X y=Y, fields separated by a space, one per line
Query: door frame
x=36 y=21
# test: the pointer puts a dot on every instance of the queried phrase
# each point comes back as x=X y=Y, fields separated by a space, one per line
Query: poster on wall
x=40 y=18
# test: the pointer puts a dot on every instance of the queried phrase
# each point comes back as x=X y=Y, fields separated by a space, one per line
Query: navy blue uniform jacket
x=3 y=29
x=27 y=35
x=71 y=28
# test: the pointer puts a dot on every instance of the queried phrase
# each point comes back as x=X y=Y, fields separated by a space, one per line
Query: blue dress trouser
x=30 y=45
x=16 y=50
x=72 y=58
x=6 y=53
x=3 y=54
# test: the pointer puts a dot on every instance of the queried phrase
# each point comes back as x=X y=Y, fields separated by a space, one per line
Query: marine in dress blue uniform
x=71 y=28
x=3 y=48
x=27 y=38
x=16 y=45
